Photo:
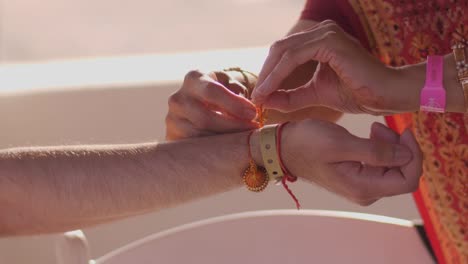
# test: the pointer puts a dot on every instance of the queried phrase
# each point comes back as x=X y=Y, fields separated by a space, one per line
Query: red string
x=248 y=144
x=288 y=177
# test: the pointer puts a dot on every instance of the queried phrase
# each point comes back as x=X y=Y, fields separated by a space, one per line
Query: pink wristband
x=433 y=94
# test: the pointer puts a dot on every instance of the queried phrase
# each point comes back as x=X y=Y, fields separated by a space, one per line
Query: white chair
x=282 y=236
x=72 y=248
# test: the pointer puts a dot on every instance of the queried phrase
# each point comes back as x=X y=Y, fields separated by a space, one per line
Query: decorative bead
x=256 y=178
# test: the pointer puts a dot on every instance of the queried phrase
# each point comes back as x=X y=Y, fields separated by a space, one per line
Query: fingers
x=217 y=96
x=278 y=48
x=375 y=152
x=225 y=79
x=180 y=128
x=317 y=44
x=322 y=50
x=292 y=100
x=381 y=132
x=365 y=182
x=203 y=106
x=413 y=170
x=202 y=118
x=368 y=183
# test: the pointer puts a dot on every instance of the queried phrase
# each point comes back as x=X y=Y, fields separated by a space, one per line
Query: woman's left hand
x=348 y=78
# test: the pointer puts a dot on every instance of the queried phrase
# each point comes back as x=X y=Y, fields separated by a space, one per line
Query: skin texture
x=233 y=111
x=337 y=164
x=47 y=190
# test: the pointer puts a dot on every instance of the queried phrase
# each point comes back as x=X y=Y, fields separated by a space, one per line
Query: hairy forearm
x=45 y=190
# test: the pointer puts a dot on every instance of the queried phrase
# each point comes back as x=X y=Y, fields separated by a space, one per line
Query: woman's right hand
x=362 y=170
x=348 y=78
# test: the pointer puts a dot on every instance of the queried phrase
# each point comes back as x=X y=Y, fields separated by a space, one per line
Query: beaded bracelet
x=459 y=53
x=244 y=73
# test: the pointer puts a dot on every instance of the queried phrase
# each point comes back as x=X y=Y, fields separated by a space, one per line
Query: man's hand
x=348 y=78
x=362 y=170
x=208 y=104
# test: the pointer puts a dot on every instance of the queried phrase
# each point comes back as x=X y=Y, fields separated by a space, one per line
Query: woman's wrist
x=411 y=80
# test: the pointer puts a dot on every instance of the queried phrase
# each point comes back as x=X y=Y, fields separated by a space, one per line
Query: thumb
x=292 y=100
x=376 y=152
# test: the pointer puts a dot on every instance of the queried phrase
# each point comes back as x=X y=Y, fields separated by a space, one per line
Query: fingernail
x=403 y=154
x=259 y=90
x=255 y=124
x=256 y=98
x=250 y=113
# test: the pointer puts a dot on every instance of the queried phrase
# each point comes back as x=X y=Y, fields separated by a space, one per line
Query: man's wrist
x=287 y=149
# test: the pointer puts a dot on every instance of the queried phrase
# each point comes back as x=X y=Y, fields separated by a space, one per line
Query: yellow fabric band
x=269 y=152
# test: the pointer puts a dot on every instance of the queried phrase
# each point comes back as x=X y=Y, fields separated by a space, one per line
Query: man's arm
x=44 y=190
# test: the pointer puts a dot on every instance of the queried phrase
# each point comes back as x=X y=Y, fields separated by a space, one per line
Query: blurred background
x=37 y=30
x=35 y=34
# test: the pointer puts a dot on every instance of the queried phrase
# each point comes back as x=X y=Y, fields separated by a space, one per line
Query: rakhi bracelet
x=269 y=150
x=270 y=146
x=255 y=177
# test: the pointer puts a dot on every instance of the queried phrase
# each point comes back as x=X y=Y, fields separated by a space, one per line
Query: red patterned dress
x=401 y=32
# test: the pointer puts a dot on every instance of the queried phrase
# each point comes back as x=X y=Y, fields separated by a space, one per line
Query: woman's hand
x=362 y=170
x=208 y=104
x=348 y=78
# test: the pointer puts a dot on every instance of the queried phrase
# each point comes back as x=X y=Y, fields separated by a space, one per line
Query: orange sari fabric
x=402 y=32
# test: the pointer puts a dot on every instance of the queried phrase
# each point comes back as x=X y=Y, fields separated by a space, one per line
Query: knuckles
x=193 y=75
x=362 y=196
x=333 y=27
x=366 y=202
x=279 y=45
x=290 y=57
x=174 y=100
